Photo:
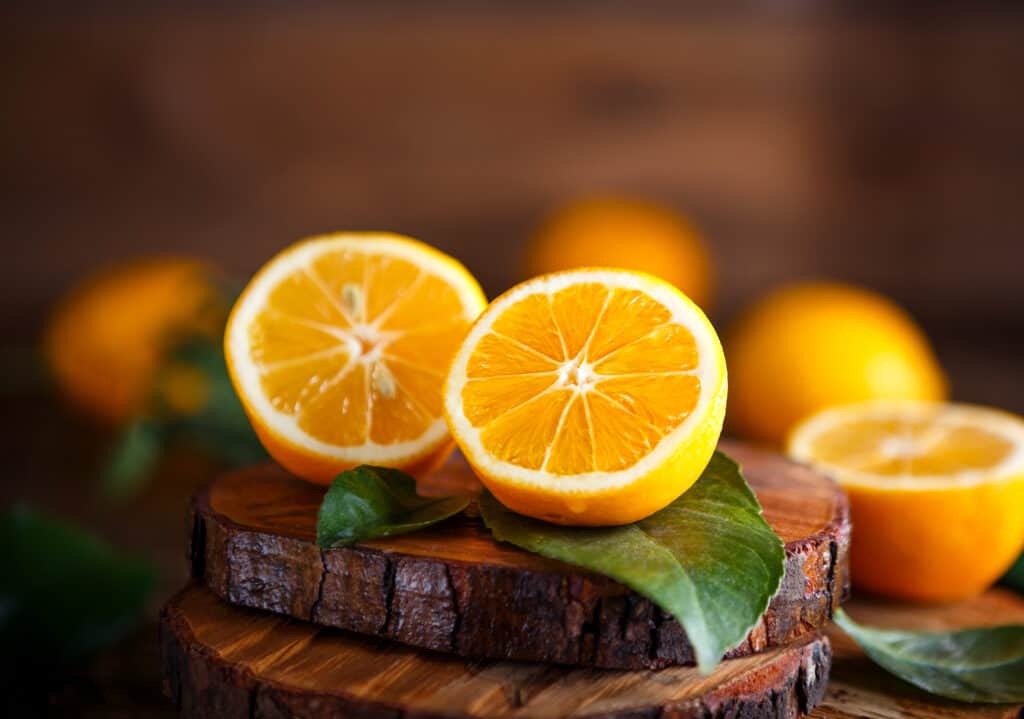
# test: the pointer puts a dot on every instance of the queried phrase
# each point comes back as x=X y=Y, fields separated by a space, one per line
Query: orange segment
x=488 y=399
x=499 y=355
x=532 y=324
x=573 y=447
x=339 y=346
x=577 y=311
x=276 y=338
x=662 y=401
x=622 y=436
x=629 y=317
x=588 y=397
x=344 y=395
x=936 y=492
x=522 y=435
x=303 y=296
x=292 y=384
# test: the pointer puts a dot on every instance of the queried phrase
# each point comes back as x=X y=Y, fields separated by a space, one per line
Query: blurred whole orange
x=106 y=339
x=810 y=346
x=627 y=233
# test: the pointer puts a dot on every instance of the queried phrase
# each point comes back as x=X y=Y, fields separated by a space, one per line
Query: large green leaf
x=710 y=559
x=63 y=593
x=985 y=664
x=368 y=502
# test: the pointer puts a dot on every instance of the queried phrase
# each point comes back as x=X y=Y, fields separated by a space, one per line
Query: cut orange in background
x=338 y=349
x=936 y=492
x=590 y=397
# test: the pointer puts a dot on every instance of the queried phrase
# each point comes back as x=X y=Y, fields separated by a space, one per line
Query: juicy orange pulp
x=588 y=397
x=606 y=393
x=340 y=350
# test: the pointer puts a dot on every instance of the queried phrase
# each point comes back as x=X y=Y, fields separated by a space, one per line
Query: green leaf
x=709 y=559
x=220 y=427
x=368 y=502
x=63 y=593
x=132 y=459
x=984 y=664
x=1014 y=576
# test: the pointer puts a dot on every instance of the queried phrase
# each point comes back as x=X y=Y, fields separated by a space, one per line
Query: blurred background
x=802 y=141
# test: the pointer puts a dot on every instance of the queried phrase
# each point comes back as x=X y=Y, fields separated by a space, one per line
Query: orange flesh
x=588 y=379
x=354 y=347
x=911 y=447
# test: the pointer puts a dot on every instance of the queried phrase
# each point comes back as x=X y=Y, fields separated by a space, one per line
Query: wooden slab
x=224 y=661
x=452 y=588
x=859 y=688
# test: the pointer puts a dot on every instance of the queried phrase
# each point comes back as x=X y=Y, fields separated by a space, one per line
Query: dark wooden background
x=806 y=140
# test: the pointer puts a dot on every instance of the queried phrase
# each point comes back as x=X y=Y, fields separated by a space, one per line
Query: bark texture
x=451 y=588
x=223 y=661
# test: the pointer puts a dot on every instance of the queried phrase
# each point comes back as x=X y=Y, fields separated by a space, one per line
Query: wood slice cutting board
x=227 y=662
x=452 y=588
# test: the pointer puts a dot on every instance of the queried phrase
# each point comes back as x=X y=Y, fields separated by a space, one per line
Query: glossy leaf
x=984 y=664
x=709 y=559
x=369 y=502
x=1014 y=576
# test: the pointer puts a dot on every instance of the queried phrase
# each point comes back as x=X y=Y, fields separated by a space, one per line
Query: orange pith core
x=354 y=347
x=586 y=379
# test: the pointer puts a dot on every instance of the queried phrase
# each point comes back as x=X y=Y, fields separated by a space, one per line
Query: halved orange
x=588 y=397
x=936 y=492
x=338 y=349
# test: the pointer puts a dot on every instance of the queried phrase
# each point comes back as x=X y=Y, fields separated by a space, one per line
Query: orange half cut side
x=588 y=397
x=338 y=349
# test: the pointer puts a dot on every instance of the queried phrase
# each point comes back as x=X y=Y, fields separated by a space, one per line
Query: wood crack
x=453 y=642
x=196 y=553
x=315 y=607
x=388 y=591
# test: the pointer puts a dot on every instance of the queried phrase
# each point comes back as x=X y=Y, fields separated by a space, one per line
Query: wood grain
x=452 y=588
x=223 y=661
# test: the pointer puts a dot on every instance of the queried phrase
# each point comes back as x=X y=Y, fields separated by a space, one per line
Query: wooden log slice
x=453 y=588
x=223 y=662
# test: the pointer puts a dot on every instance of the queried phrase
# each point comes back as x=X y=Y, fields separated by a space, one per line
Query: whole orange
x=106 y=338
x=625 y=233
x=810 y=346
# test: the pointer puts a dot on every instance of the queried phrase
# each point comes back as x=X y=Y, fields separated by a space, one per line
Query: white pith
x=947 y=416
x=580 y=376
x=254 y=300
